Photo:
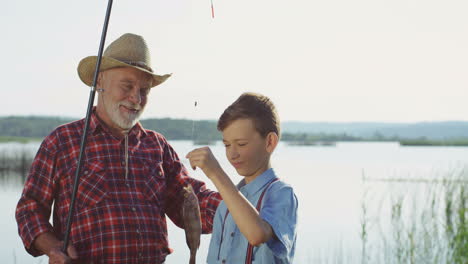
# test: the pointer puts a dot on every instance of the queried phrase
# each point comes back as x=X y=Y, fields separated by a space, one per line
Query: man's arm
x=34 y=207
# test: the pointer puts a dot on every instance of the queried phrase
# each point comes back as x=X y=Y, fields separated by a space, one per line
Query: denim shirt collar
x=257 y=184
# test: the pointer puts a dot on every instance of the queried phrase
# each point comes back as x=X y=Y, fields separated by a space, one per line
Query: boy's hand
x=205 y=160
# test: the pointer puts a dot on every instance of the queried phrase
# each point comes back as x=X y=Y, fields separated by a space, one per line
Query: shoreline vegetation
x=416 y=223
x=6 y=139
x=18 y=161
x=427 y=143
x=321 y=140
x=204 y=132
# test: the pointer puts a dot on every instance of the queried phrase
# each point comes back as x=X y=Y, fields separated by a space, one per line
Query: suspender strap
x=249 y=254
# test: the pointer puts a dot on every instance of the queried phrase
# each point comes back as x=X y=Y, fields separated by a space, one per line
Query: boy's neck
x=249 y=179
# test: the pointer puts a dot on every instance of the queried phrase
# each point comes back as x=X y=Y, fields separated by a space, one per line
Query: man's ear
x=99 y=81
x=272 y=140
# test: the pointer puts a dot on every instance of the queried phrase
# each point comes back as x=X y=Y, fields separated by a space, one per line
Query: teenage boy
x=256 y=222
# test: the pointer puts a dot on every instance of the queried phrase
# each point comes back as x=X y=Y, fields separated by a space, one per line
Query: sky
x=333 y=61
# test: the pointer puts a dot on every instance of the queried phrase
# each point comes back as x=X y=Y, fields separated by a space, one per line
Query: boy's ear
x=271 y=141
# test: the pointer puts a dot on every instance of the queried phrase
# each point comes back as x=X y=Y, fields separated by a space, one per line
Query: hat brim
x=86 y=69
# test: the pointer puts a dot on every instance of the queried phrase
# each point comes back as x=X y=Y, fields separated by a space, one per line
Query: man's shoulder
x=63 y=133
x=68 y=128
x=154 y=135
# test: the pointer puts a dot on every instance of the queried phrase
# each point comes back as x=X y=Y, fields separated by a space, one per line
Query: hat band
x=138 y=64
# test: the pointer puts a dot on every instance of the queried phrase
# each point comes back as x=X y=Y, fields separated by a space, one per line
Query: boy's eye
x=226 y=145
x=242 y=144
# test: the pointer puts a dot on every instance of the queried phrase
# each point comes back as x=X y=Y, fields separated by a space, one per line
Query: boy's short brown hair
x=259 y=108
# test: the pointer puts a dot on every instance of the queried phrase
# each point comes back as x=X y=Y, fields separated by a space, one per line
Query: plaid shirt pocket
x=155 y=184
x=93 y=186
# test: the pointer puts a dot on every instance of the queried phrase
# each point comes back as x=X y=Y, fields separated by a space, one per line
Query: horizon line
x=283 y=121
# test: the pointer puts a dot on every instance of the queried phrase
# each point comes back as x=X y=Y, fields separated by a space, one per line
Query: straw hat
x=129 y=50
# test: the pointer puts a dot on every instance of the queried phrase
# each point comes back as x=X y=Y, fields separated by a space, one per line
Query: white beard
x=123 y=120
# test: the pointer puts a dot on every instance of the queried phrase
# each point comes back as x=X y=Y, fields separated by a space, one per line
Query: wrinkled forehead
x=129 y=75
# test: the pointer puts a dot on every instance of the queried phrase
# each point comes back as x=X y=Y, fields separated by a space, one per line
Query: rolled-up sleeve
x=34 y=207
x=280 y=211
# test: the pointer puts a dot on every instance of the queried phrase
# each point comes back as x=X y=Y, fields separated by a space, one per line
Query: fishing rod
x=92 y=94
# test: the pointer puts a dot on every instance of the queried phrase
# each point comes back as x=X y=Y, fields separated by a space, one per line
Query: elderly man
x=131 y=177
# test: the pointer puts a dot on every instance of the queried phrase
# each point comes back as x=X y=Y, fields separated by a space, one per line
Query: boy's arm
x=177 y=178
x=247 y=218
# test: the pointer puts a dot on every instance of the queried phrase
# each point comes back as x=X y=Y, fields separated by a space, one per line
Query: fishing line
x=193 y=122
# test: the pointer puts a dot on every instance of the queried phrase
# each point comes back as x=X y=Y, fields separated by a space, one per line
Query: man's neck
x=115 y=130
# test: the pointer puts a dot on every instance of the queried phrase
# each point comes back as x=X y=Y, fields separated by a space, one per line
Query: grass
x=4 y=139
x=428 y=142
x=17 y=161
x=419 y=222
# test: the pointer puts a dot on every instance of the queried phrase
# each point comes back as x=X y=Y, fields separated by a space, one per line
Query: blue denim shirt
x=279 y=209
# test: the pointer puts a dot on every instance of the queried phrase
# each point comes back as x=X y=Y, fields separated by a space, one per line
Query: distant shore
x=6 y=139
x=294 y=140
x=434 y=143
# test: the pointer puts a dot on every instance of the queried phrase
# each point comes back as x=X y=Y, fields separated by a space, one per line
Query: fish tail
x=192 y=257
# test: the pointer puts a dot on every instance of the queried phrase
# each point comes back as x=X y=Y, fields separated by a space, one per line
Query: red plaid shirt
x=120 y=210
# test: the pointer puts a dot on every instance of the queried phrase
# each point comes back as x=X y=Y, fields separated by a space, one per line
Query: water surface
x=327 y=180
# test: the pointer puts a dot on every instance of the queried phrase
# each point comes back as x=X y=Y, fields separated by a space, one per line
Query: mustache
x=136 y=107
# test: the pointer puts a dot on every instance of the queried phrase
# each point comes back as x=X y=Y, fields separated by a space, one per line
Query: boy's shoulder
x=281 y=195
x=280 y=186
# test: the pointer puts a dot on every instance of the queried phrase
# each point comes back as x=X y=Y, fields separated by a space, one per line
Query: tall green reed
x=419 y=221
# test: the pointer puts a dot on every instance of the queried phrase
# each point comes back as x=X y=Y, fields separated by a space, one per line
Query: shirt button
x=85 y=172
x=223 y=261
x=133 y=209
x=160 y=173
x=128 y=185
x=232 y=234
x=138 y=231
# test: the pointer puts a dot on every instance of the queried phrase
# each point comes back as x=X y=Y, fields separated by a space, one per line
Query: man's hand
x=52 y=247
x=56 y=256
x=205 y=160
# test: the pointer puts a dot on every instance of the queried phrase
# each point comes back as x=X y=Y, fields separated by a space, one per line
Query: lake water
x=328 y=182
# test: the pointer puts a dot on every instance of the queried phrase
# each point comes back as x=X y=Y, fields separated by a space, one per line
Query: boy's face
x=246 y=149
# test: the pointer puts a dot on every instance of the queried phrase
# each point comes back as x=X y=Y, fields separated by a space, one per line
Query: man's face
x=124 y=97
x=246 y=149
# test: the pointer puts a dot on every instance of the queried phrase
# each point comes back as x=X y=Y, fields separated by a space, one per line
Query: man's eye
x=127 y=87
x=144 y=92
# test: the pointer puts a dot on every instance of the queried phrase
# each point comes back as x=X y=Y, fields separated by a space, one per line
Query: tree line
x=17 y=128
x=173 y=129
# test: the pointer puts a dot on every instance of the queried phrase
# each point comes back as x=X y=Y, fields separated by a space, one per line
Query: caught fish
x=192 y=221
